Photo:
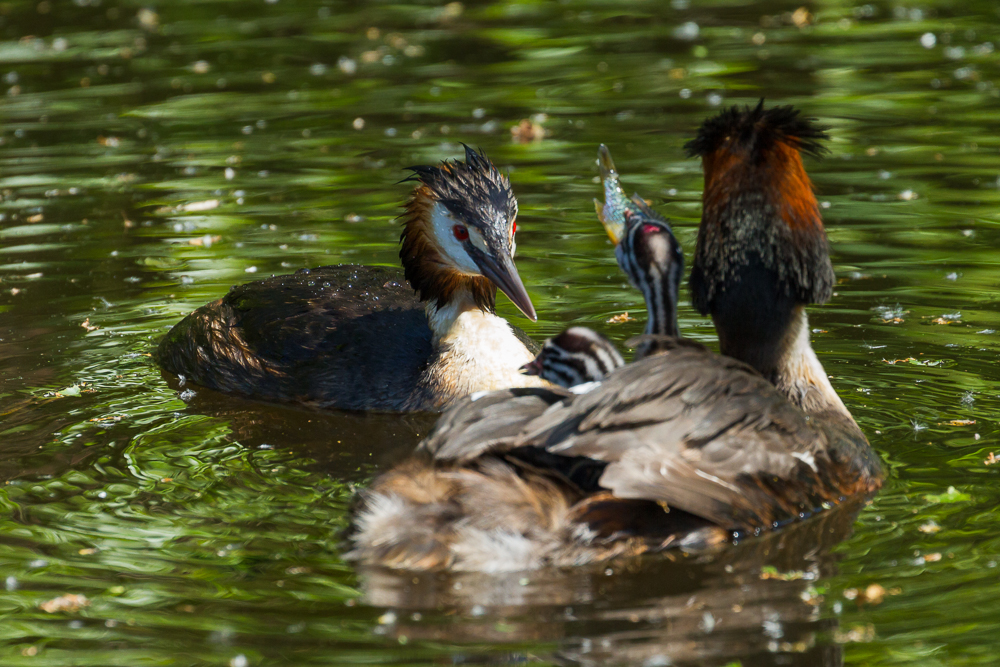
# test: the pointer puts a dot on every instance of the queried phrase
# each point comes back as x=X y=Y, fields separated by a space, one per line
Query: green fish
x=611 y=212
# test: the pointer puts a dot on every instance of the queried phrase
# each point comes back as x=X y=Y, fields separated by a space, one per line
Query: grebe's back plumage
x=357 y=337
x=323 y=350
x=721 y=444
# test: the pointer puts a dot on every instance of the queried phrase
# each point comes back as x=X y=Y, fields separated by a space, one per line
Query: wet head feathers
x=759 y=207
x=755 y=131
x=475 y=193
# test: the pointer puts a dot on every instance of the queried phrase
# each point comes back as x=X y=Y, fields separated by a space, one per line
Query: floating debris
x=88 y=326
x=914 y=361
x=771 y=572
x=620 y=318
x=929 y=528
x=948 y=318
x=961 y=422
x=529 y=130
x=859 y=634
x=991 y=459
x=890 y=314
x=207 y=240
x=801 y=18
x=70 y=602
x=198 y=206
x=873 y=594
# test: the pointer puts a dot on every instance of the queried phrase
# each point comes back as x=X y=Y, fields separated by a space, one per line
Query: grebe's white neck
x=474 y=350
x=799 y=374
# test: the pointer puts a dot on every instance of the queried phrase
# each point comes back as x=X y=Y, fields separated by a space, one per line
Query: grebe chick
x=578 y=357
x=682 y=448
x=652 y=260
x=356 y=337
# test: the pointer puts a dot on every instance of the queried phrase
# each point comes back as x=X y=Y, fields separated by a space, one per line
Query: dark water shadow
x=347 y=445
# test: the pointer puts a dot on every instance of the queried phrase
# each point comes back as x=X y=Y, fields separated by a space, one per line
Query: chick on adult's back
x=681 y=448
x=356 y=337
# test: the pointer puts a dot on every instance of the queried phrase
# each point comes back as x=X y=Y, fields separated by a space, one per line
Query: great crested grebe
x=575 y=358
x=681 y=448
x=355 y=337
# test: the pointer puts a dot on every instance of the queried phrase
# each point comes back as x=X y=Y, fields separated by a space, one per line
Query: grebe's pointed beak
x=502 y=273
x=533 y=367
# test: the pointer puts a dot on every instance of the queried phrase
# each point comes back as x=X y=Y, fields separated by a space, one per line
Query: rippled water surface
x=153 y=154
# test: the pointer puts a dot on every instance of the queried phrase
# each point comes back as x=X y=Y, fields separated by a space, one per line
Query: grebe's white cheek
x=443 y=223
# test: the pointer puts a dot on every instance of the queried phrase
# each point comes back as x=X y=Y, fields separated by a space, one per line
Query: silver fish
x=611 y=212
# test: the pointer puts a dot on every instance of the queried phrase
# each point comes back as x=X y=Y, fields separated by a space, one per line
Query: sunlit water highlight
x=150 y=157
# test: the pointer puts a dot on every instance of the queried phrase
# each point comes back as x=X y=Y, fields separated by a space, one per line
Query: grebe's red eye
x=650 y=229
x=460 y=232
x=513 y=230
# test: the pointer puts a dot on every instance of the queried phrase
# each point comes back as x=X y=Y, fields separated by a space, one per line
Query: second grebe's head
x=458 y=233
x=760 y=219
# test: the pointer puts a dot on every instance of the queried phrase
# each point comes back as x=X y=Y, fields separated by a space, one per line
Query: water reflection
x=348 y=446
x=754 y=602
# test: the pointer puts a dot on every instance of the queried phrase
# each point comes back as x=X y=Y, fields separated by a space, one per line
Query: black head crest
x=474 y=191
x=756 y=130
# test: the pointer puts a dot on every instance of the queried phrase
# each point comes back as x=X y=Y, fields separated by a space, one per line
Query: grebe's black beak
x=502 y=272
x=533 y=367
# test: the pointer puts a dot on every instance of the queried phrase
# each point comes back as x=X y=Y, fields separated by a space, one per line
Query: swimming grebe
x=682 y=448
x=355 y=337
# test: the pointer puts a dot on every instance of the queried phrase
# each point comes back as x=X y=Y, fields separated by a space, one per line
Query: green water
x=153 y=154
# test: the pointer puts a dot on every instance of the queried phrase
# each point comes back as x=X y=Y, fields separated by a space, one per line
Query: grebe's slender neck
x=442 y=317
x=787 y=359
x=651 y=258
x=661 y=309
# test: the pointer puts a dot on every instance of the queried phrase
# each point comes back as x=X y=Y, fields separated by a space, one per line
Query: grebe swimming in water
x=681 y=448
x=356 y=337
